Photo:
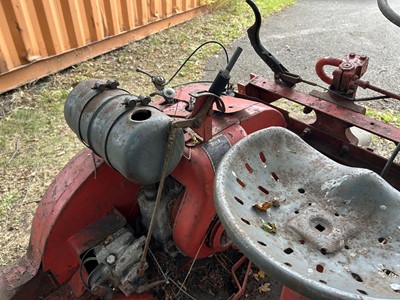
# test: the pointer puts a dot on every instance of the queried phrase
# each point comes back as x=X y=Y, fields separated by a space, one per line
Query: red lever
x=326 y=61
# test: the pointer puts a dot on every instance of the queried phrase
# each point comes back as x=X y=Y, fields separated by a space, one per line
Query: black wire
x=192 y=82
x=194 y=52
x=84 y=261
x=371 y=98
x=390 y=161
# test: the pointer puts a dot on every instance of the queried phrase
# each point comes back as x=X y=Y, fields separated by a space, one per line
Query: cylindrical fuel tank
x=131 y=140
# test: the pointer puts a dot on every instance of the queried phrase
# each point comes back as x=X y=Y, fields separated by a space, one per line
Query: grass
x=35 y=142
x=389 y=116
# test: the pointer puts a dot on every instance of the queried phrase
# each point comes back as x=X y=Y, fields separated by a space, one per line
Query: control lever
x=388 y=12
x=222 y=79
x=282 y=75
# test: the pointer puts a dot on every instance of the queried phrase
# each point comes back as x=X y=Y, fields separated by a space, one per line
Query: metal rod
x=367 y=85
x=171 y=138
x=390 y=161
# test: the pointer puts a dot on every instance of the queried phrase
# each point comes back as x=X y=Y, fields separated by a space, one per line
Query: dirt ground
x=211 y=279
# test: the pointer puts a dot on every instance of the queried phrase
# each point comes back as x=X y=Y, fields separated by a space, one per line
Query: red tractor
x=205 y=169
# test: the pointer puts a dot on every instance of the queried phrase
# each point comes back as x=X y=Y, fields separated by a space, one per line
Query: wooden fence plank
x=142 y=13
x=39 y=37
x=7 y=48
x=128 y=14
x=155 y=10
x=11 y=35
x=27 y=30
x=111 y=13
x=94 y=20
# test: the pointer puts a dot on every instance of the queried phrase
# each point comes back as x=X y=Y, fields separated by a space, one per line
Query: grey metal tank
x=131 y=138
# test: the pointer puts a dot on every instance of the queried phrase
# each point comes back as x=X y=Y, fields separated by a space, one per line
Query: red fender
x=82 y=193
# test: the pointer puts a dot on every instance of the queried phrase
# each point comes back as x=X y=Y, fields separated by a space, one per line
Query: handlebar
x=222 y=79
x=281 y=74
x=388 y=12
x=234 y=59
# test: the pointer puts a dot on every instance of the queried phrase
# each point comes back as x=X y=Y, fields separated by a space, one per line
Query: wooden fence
x=40 y=37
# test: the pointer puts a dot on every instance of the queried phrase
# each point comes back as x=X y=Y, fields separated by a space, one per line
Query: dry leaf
x=264 y=288
x=263 y=207
x=261 y=274
x=268 y=227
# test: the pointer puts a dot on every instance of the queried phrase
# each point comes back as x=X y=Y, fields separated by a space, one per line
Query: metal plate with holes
x=337 y=230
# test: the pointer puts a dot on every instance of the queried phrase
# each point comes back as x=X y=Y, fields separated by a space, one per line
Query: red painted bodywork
x=67 y=223
x=83 y=192
x=195 y=212
x=88 y=195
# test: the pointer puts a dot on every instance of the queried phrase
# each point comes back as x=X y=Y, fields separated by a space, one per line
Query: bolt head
x=110 y=259
x=346 y=66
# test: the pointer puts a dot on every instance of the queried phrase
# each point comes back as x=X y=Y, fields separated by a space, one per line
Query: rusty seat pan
x=337 y=230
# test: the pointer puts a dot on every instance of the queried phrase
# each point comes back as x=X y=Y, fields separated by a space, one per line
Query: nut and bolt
x=346 y=66
x=306 y=132
x=110 y=84
x=145 y=100
x=130 y=102
x=99 y=86
x=110 y=259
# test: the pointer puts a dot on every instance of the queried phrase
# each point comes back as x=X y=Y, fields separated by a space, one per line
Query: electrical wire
x=390 y=161
x=371 y=98
x=193 y=53
x=83 y=262
x=192 y=82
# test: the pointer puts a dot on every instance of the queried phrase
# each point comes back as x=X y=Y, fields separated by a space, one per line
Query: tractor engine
x=133 y=137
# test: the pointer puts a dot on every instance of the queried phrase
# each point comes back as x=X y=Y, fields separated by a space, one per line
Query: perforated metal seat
x=333 y=232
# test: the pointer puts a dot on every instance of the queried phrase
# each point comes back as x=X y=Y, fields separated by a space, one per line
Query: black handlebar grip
x=222 y=79
x=234 y=59
x=388 y=12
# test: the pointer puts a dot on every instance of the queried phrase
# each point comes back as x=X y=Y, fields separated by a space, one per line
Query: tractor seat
x=324 y=230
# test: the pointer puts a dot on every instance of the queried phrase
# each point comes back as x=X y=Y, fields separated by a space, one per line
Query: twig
x=16 y=150
x=158 y=265
x=169 y=279
x=222 y=263
x=193 y=262
x=30 y=202
x=180 y=289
